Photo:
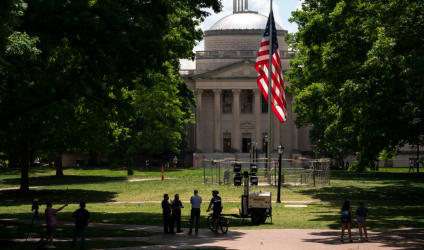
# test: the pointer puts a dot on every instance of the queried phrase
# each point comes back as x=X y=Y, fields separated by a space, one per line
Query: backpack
x=345 y=216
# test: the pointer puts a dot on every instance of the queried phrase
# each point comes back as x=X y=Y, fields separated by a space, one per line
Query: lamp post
x=280 y=153
x=175 y=161
x=265 y=149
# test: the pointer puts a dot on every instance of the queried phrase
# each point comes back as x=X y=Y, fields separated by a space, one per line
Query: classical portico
x=230 y=110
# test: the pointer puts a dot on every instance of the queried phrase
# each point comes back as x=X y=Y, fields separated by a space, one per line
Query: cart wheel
x=255 y=218
x=258 y=216
x=263 y=219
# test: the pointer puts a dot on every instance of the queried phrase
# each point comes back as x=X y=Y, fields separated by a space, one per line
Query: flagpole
x=269 y=143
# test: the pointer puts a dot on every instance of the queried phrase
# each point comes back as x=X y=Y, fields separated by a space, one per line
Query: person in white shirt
x=195 y=201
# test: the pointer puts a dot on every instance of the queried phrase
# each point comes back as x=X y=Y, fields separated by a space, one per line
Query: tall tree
x=358 y=77
x=72 y=72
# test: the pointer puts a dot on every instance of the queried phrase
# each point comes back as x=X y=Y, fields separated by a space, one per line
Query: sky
x=282 y=12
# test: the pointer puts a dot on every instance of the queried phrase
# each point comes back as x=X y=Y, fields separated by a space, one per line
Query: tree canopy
x=358 y=75
x=95 y=75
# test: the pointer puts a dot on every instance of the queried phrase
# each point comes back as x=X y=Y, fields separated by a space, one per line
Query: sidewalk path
x=292 y=239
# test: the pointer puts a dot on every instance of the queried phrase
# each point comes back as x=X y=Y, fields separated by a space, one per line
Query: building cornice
x=242 y=32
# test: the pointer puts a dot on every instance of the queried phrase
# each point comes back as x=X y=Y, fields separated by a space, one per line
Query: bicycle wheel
x=211 y=223
x=223 y=224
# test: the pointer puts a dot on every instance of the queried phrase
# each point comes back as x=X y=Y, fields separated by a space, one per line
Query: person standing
x=166 y=213
x=176 y=212
x=81 y=217
x=216 y=203
x=346 y=220
x=195 y=201
x=51 y=223
x=361 y=216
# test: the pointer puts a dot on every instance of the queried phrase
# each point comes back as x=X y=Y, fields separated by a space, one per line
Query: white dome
x=243 y=21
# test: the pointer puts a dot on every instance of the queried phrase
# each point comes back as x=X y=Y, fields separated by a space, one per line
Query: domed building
x=231 y=113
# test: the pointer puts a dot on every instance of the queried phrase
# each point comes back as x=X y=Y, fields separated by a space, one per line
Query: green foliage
x=74 y=75
x=357 y=76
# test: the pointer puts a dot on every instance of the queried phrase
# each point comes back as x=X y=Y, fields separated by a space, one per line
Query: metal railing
x=295 y=172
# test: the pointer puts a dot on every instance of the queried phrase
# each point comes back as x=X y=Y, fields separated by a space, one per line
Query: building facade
x=231 y=113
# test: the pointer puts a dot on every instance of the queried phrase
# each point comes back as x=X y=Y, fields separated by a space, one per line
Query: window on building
x=264 y=105
x=227 y=101
x=227 y=143
x=246 y=101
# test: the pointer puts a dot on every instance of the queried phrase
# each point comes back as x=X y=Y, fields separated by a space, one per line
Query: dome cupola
x=242 y=30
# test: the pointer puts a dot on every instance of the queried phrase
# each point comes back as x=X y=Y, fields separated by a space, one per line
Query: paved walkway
x=293 y=239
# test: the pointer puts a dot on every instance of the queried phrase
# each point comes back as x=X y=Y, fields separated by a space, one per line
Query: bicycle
x=223 y=224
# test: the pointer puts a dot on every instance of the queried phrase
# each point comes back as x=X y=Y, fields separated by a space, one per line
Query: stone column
x=217 y=120
x=236 y=141
x=199 y=93
x=257 y=111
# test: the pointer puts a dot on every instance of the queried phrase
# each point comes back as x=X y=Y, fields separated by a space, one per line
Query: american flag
x=278 y=104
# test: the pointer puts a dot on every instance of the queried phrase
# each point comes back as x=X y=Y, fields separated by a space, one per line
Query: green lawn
x=395 y=199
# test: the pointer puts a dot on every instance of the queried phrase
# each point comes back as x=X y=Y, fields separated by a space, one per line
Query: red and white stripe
x=279 y=104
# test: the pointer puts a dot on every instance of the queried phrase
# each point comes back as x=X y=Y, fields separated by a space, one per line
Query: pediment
x=241 y=69
x=246 y=125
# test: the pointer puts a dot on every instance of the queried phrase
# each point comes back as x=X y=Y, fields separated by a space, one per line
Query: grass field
x=395 y=199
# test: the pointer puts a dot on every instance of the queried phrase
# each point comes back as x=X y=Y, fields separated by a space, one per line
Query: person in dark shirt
x=176 y=206
x=166 y=213
x=346 y=220
x=216 y=205
x=81 y=217
x=361 y=216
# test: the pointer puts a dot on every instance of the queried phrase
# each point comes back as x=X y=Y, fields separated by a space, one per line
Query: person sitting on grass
x=216 y=202
x=361 y=215
x=346 y=220
x=50 y=214
x=81 y=217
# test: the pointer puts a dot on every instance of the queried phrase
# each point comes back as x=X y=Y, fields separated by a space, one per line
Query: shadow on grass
x=399 y=192
x=132 y=223
x=14 y=197
x=127 y=218
x=374 y=176
x=90 y=244
x=410 y=238
x=65 y=180
x=395 y=201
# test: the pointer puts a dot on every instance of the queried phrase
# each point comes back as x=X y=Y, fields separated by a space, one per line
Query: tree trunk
x=23 y=163
x=58 y=166
x=418 y=156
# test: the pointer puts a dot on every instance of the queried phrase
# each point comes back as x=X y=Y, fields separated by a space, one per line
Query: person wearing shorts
x=346 y=220
x=361 y=217
x=50 y=214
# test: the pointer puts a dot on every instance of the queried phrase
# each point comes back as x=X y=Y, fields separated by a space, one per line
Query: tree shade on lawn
x=98 y=76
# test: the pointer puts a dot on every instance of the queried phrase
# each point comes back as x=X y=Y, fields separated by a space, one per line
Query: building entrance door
x=227 y=145
x=246 y=142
